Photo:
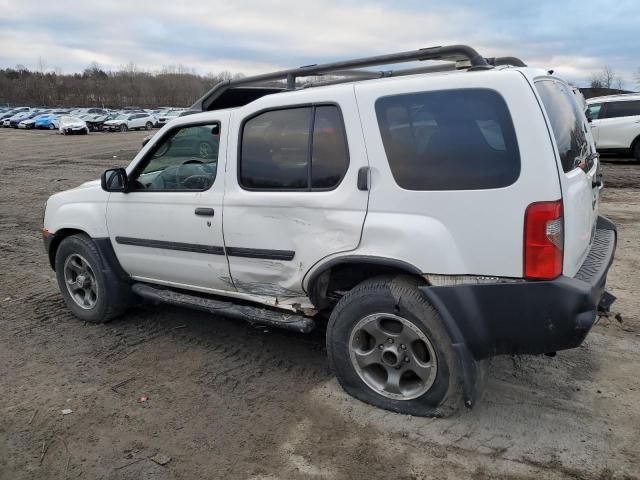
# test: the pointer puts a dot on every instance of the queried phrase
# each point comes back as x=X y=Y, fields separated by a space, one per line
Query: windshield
x=122 y=116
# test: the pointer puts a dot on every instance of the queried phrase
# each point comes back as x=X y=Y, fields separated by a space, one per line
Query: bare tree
x=606 y=78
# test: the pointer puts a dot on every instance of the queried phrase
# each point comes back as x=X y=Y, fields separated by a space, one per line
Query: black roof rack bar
x=446 y=67
x=449 y=52
x=513 y=61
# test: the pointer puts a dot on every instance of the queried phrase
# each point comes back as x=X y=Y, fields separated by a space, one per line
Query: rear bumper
x=528 y=317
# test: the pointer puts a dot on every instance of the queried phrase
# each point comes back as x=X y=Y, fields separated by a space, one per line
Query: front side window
x=593 y=111
x=185 y=159
x=629 y=108
x=449 y=140
x=300 y=148
x=566 y=123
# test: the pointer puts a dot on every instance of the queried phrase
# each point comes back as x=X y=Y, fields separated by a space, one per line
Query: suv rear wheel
x=90 y=294
x=636 y=150
x=387 y=347
x=123 y=128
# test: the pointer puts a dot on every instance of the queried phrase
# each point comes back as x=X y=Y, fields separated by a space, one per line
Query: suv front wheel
x=388 y=347
x=89 y=293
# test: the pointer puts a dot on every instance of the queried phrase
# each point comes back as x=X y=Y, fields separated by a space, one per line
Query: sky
x=575 y=38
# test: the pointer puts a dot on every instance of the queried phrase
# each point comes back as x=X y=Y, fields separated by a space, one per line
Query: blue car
x=47 y=122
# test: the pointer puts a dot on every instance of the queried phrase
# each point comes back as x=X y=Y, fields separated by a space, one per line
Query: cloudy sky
x=576 y=38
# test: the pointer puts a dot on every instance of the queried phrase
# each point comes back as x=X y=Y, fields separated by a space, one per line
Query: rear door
x=291 y=195
x=577 y=166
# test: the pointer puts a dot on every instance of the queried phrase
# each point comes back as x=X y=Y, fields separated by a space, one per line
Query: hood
x=90 y=184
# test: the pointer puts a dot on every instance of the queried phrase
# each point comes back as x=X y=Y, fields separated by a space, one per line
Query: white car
x=435 y=219
x=615 y=123
x=130 y=121
x=166 y=117
x=68 y=125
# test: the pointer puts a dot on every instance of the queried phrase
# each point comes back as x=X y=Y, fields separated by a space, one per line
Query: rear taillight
x=543 y=240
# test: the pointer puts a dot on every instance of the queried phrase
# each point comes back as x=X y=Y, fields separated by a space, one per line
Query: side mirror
x=587 y=114
x=115 y=180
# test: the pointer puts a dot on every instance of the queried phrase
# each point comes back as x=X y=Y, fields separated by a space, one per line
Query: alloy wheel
x=393 y=356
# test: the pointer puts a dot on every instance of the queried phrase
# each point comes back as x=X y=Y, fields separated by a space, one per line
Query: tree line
x=173 y=86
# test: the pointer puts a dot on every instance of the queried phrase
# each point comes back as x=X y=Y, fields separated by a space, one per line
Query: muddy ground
x=227 y=400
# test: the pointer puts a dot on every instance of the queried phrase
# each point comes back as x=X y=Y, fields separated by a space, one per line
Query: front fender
x=83 y=208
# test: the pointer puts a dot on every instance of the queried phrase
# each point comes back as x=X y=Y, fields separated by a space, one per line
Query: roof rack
x=458 y=56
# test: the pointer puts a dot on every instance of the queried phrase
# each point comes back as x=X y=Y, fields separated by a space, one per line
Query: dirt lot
x=227 y=400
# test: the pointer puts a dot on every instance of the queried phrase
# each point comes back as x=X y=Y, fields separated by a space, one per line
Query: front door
x=168 y=228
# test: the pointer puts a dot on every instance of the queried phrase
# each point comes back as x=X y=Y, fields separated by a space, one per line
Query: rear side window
x=449 y=140
x=566 y=123
x=294 y=149
x=629 y=108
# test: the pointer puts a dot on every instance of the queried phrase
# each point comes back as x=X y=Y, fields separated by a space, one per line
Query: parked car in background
x=130 y=121
x=70 y=125
x=615 y=123
x=30 y=122
x=97 y=111
x=18 y=117
x=7 y=115
x=49 y=121
x=165 y=117
x=95 y=121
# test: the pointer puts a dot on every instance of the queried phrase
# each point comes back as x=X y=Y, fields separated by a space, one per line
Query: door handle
x=205 y=212
x=363 y=178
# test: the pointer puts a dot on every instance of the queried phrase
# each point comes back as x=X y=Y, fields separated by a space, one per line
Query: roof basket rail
x=447 y=53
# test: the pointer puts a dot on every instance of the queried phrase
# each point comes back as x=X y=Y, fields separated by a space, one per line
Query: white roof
x=617 y=98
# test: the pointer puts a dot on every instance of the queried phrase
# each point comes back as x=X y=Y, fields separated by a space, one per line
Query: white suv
x=615 y=123
x=435 y=218
x=130 y=121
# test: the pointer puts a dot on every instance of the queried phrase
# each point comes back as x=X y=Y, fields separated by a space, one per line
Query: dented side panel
x=314 y=225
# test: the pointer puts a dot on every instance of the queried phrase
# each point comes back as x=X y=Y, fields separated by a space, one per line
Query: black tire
x=398 y=296
x=123 y=128
x=636 y=150
x=111 y=300
x=148 y=126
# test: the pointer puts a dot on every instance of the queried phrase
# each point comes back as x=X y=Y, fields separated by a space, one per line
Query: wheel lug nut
x=390 y=340
x=406 y=359
x=398 y=367
x=380 y=346
x=403 y=346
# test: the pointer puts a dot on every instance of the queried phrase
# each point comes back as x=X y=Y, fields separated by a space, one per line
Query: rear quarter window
x=449 y=140
x=566 y=123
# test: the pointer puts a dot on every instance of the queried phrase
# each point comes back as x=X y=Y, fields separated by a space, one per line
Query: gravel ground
x=226 y=400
